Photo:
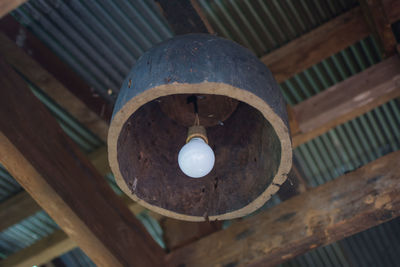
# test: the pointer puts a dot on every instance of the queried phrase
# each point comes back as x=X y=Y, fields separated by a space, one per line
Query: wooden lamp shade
x=240 y=105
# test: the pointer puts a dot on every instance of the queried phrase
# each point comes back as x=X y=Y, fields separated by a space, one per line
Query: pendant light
x=199 y=130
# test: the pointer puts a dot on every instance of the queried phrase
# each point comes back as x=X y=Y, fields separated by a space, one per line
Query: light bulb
x=196 y=158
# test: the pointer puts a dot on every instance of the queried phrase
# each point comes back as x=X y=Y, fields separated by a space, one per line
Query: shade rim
x=212 y=88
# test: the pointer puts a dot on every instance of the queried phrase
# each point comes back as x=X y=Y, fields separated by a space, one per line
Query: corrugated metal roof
x=102 y=39
x=8 y=185
x=377 y=246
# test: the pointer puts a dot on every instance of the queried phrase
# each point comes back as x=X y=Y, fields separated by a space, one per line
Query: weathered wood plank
x=347 y=205
x=347 y=100
x=41 y=252
x=313 y=47
x=7 y=6
x=378 y=21
x=65 y=184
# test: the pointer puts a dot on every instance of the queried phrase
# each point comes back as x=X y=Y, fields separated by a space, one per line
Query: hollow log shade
x=240 y=105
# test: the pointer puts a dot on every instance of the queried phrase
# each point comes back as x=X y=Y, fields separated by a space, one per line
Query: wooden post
x=52 y=169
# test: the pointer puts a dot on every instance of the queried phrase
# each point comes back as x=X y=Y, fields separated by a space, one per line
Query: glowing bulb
x=196 y=158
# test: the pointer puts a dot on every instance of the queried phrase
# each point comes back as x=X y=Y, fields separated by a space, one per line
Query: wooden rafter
x=311 y=48
x=7 y=6
x=347 y=205
x=60 y=179
x=21 y=206
x=347 y=100
x=178 y=233
x=17 y=208
x=42 y=251
x=202 y=15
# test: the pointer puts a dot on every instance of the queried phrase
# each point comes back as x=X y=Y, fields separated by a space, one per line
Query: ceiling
x=101 y=40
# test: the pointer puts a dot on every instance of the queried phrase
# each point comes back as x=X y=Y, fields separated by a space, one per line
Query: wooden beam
x=53 y=245
x=347 y=205
x=41 y=252
x=99 y=160
x=22 y=205
x=65 y=184
x=181 y=233
x=17 y=208
x=347 y=100
x=44 y=69
x=7 y=6
x=182 y=17
x=202 y=15
x=293 y=122
x=378 y=21
x=311 y=48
